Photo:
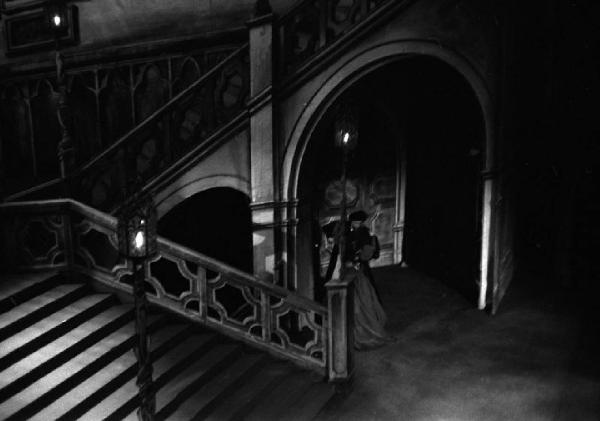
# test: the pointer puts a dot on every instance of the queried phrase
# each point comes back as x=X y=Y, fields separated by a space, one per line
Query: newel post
x=69 y=240
x=340 y=305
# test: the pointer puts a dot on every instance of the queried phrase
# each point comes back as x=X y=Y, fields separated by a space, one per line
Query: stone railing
x=312 y=25
x=69 y=236
x=109 y=92
x=204 y=109
x=309 y=36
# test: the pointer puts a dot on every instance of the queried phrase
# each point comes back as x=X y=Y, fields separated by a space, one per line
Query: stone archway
x=363 y=63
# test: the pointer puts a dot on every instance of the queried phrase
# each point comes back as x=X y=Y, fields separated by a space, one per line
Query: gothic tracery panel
x=115 y=104
x=46 y=130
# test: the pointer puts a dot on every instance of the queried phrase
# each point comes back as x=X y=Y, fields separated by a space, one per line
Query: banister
x=34 y=189
x=242 y=277
x=108 y=221
x=291 y=12
x=162 y=110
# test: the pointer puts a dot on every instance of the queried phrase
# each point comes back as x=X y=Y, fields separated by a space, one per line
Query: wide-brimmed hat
x=358 y=215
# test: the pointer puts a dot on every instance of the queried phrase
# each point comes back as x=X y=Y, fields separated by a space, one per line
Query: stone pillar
x=340 y=305
x=265 y=207
x=486 y=239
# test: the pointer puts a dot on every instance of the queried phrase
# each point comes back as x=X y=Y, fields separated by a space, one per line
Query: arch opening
x=216 y=222
x=416 y=172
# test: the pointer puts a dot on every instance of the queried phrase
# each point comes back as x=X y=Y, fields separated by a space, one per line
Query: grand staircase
x=66 y=352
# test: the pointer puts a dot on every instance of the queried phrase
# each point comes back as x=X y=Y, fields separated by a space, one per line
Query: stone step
x=113 y=374
x=18 y=288
x=35 y=309
x=34 y=366
x=50 y=387
x=201 y=398
x=275 y=405
x=52 y=327
x=237 y=406
x=120 y=393
x=196 y=355
x=308 y=406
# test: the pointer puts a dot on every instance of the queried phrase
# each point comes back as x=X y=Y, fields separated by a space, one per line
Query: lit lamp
x=137 y=229
x=346 y=127
x=138 y=241
x=56 y=13
x=346 y=138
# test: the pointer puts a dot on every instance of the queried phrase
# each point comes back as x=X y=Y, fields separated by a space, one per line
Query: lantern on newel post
x=340 y=292
x=137 y=228
x=138 y=242
x=346 y=139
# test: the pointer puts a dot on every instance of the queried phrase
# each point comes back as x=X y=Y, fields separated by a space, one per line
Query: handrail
x=33 y=189
x=186 y=121
x=70 y=232
x=162 y=110
x=325 y=30
x=242 y=277
x=324 y=33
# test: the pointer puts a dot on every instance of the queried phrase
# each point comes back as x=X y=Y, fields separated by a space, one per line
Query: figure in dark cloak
x=369 y=316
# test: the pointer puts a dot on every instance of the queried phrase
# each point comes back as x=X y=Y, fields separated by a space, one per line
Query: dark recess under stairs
x=66 y=352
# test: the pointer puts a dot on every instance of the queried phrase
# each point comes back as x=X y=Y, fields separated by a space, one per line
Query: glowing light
x=346 y=137
x=57 y=20
x=139 y=240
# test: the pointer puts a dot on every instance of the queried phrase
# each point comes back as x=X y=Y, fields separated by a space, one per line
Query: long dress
x=369 y=316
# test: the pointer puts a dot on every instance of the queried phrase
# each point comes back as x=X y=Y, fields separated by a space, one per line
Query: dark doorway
x=423 y=111
x=445 y=151
x=216 y=223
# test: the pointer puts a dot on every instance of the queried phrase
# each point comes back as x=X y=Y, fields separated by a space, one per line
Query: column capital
x=275 y=204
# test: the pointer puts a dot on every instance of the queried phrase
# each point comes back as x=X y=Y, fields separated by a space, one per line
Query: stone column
x=485 y=283
x=265 y=207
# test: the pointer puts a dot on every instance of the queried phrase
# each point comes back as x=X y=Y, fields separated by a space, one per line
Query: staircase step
x=61 y=380
x=275 y=405
x=35 y=309
x=52 y=327
x=16 y=289
x=238 y=405
x=312 y=402
x=29 y=369
x=196 y=354
x=202 y=398
x=90 y=391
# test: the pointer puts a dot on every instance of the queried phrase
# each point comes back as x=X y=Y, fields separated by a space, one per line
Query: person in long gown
x=369 y=315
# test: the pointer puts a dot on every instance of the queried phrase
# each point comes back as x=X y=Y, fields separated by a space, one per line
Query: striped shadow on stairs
x=66 y=353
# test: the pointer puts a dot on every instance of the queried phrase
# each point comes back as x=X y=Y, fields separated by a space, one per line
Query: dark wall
x=555 y=86
x=445 y=137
